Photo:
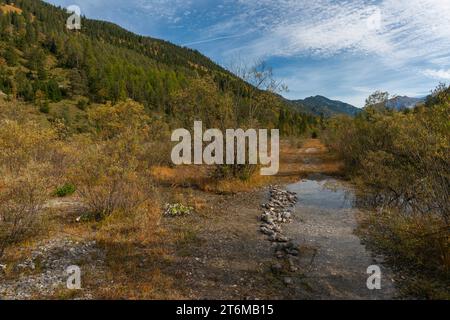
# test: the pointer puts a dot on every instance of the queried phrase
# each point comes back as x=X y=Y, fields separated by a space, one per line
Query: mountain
x=401 y=103
x=64 y=72
x=319 y=105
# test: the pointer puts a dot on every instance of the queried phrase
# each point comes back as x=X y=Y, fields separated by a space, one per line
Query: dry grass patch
x=200 y=177
x=180 y=176
x=235 y=185
x=136 y=256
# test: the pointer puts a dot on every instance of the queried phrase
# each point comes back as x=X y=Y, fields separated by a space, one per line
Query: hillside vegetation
x=401 y=163
x=43 y=63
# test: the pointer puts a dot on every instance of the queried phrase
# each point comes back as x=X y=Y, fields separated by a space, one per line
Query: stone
x=54 y=257
x=293 y=252
x=277 y=211
x=286 y=215
x=277 y=268
x=267 y=231
x=278 y=238
x=288 y=281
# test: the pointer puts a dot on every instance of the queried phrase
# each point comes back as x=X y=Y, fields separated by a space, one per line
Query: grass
x=199 y=177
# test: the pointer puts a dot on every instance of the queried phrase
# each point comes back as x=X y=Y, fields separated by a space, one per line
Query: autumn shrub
x=156 y=148
x=234 y=171
x=111 y=173
x=137 y=226
x=22 y=196
x=400 y=162
x=107 y=183
x=422 y=243
x=21 y=143
x=402 y=159
x=26 y=176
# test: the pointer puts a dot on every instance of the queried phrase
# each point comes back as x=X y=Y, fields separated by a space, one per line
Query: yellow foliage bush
x=22 y=196
x=111 y=173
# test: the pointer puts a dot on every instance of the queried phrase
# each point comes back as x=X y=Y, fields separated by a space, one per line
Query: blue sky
x=344 y=50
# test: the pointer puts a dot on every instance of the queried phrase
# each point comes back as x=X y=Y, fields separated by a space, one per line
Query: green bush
x=44 y=108
x=65 y=190
x=239 y=171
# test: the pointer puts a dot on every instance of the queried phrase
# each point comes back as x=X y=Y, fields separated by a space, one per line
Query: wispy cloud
x=408 y=30
x=215 y=39
x=438 y=74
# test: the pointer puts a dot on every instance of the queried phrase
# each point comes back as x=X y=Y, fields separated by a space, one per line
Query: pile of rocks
x=277 y=212
x=44 y=271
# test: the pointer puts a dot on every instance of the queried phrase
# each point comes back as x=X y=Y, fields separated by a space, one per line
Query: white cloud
x=402 y=46
x=410 y=31
x=437 y=74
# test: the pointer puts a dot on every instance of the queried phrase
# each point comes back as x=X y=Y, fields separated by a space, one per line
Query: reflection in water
x=325 y=193
x=332 y=256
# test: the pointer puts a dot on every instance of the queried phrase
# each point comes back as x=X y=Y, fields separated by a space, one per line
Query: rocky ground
x=43 y=273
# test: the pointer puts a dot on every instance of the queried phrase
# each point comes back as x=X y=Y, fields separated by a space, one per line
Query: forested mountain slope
x=320 y=105
x=43 y=63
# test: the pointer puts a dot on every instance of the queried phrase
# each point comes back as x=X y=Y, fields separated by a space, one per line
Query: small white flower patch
x=177 y=210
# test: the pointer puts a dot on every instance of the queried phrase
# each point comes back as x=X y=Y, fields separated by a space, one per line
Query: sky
x=344 y=50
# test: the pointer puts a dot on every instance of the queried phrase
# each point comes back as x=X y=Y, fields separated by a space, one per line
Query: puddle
x=325 y=193
x=333 y=260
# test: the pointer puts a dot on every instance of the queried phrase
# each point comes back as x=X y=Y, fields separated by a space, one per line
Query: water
x=323 y=193
x=333 y=260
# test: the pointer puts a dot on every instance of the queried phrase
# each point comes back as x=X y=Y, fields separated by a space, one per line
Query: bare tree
x=377 y=98
x=260 y=76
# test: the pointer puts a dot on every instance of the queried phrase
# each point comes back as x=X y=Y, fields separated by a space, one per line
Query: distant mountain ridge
x=320 y=105
x=404 y=102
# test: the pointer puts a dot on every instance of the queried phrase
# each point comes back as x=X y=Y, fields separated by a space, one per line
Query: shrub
x=401 y=159
x=65 y=190
x=21 y=143
x=400 y=162
x=111 y=172
x=108 y=180
x=82 y=104
x=22 y=196
x=415 y=244
x=44 y=108
x=234 y=171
